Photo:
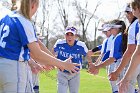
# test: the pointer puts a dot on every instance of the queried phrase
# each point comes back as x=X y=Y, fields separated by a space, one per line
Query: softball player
x=107 y=43
x=65 y=48
x=105 y=47
x=116 y=28
x=134 y=67
x=132 y=42
x=17 y=37
x=105 y=52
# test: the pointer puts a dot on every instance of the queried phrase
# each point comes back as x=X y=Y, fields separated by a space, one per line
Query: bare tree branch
x=85 y=16
x=93 y=14
x=63 y=12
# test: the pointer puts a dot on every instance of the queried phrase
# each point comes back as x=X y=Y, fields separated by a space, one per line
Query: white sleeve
x=103 y=46
x=138 y=38
x=131 y=35
x=29 y=29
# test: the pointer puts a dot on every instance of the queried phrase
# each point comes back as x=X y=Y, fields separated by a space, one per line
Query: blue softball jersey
x=15 y=33
x=107 y=48
x=103 y=49
x=116 y=47
x=64 y=51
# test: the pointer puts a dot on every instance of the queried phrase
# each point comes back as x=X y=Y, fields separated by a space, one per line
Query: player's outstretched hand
x=113 y=76
x=93 y=69
x=67 y=65
x=35 y=67
x=48 y=67
x=123 y=85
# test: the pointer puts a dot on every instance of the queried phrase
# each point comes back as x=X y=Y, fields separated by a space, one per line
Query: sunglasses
x=71 y=28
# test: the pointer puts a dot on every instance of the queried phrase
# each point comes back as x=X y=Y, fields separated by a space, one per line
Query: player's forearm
x=98 y=60
x=133 y=65
x=106 y=63
x=125 y=60
x=42 y=57
x=46 y=59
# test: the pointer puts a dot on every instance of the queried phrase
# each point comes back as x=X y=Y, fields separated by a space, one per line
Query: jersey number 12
x=5 y=29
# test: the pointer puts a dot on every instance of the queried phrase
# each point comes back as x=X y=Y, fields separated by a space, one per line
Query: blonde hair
x=25 y=7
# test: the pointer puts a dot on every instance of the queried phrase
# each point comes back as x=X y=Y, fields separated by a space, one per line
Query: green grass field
x=88 y=83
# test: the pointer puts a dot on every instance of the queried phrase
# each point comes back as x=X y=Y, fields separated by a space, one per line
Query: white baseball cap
x=71 y=29
x=128 y=8
x=107 y=27
x=104 y=26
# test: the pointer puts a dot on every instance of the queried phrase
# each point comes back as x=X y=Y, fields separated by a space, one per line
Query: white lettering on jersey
x=7 y=30
x=67 y=55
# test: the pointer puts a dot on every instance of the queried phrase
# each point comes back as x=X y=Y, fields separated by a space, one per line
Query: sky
x=107 y=10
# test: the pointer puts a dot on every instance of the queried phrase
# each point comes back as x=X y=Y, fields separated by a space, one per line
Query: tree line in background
x=62 y=19
x=54 y=16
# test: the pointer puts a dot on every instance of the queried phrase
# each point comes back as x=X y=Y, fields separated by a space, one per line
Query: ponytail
x=124 y=42
x=124 y=36
x=25 y=8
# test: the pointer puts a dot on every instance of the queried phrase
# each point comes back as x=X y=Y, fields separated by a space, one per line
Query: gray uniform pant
x=135 y=78
x=112 y=67
x=66 y=80
x=14 y=77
